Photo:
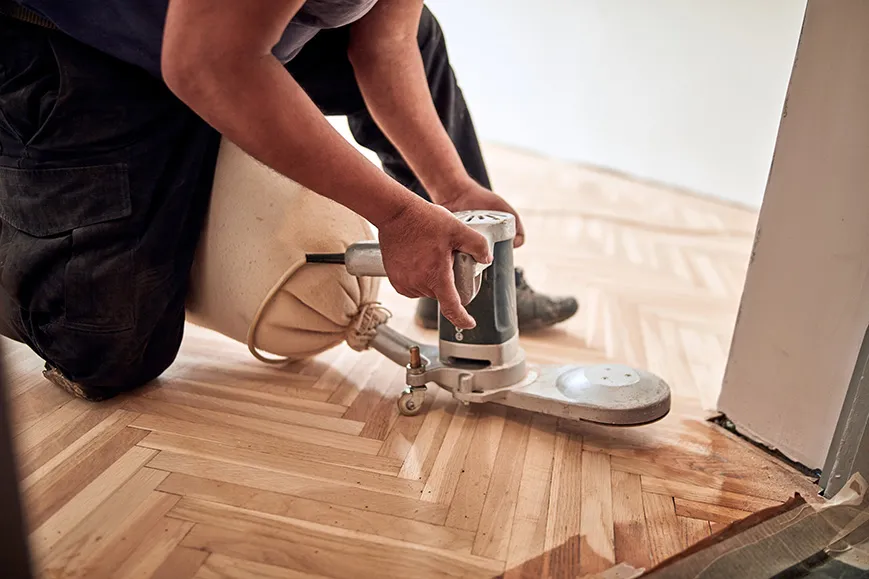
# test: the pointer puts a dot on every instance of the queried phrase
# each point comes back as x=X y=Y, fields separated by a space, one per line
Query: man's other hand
x=471 y=196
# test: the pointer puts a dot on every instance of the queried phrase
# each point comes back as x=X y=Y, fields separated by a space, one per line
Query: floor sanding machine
x=486 y=363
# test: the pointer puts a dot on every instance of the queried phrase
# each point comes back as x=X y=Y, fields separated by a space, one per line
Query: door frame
x=849 y=450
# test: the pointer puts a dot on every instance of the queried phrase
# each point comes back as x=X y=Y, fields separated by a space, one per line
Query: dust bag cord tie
x=364 y=326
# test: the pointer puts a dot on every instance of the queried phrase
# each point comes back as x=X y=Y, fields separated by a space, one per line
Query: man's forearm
x=391 y=76
x=266 y=113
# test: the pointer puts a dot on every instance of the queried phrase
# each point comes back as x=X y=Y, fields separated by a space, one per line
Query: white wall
x=685 y=92
x=805 y=306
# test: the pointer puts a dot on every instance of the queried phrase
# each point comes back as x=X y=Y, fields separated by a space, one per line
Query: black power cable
x=336 y=258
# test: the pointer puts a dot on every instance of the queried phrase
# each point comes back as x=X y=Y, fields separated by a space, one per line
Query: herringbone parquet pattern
x=229 y=468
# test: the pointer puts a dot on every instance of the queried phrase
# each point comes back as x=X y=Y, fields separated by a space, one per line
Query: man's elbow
x=364 y=49
x=192 y=69
x=181 y=72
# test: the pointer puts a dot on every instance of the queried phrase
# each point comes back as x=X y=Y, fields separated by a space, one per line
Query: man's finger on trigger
x=477 y=247
x=451 y=307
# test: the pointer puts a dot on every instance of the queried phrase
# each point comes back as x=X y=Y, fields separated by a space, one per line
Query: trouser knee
x=98 y=366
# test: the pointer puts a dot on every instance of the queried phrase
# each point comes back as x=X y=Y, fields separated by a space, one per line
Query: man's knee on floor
x=99 y=366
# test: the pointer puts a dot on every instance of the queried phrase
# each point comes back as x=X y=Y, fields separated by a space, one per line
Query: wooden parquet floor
x=229 y=468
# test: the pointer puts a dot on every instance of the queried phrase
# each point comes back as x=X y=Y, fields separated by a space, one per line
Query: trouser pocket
x=65 y=249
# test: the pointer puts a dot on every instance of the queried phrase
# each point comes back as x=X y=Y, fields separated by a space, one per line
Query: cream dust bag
x=250 y=280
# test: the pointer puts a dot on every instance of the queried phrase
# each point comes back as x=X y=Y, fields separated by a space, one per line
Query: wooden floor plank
x=597 y=551
x=691 y=476
x=73 y=512
x=49 y=423
x=422 y=453
x=335 y=493
x=344 y=517
x=528 y=537
x=765 y=468
x=155 y=548
x=138 y=545
x=496 y=519
x=222 y=567
x=629 y=520
x=705 y=494
x=82 y=446
x=708 y=512
x=383 y=417
x=260 y=442
x=281 y=397
x=34 y=403
x=22 y=381
x=693 y=530
x=467 y=504
x=339 y=362
x=43 y=442
x=565 y=505
x=23 y=369
x=244 y=408
x=664 y=530
x=440 y=487
x=255 y=424
x=404 y=431
x=52 y=485
x=87 y=541
x=315 y=548
x=182 y=563
x=287 y=464
x=368 y=371
x=421 y=458
x=247 y=379
x=382 y=410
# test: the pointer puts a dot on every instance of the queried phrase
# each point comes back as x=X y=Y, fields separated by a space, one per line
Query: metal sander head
x=610 y=394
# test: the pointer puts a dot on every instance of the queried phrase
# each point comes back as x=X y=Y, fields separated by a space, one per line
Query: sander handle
x=365 y=259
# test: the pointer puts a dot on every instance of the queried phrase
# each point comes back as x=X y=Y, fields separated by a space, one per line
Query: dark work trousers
x=104 y=184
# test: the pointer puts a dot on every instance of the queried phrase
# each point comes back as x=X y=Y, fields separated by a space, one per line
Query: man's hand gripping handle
x=364 y=259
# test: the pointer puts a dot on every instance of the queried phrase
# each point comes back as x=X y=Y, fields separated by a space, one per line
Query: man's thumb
x=476 y=245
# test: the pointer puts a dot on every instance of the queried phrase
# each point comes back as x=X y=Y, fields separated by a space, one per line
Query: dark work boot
x=535 y=310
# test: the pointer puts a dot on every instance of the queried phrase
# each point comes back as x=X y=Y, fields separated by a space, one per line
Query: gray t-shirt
x=132 y=30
